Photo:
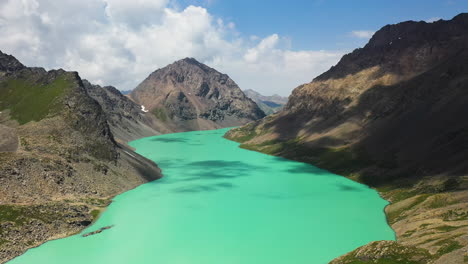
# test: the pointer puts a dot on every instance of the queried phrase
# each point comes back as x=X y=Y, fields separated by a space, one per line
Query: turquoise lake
x=220 y=204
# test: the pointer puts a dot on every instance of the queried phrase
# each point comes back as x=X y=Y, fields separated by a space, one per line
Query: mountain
x=269 y=104
x=126 y=119
x=60 y=163
x=188 y=95
x=126 y=92
x=390 y=115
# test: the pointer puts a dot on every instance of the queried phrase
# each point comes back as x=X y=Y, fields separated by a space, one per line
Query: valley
x=364 y=164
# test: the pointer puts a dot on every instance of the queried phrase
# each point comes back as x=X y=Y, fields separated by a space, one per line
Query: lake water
x=220 y=204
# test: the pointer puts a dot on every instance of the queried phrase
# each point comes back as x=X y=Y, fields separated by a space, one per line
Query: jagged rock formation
x=269 y=104
x=391 y=115
x=127 y=120
x=60 y=163
x=188 y=95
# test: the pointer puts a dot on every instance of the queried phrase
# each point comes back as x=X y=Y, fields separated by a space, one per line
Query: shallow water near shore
x=218 y=203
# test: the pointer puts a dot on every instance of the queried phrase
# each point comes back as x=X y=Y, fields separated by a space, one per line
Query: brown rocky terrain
x=390 y=115
x=188 y=95
x=59 y=161
x=126 y=119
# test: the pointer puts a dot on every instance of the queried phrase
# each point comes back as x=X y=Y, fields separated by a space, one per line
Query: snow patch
x=144 y=109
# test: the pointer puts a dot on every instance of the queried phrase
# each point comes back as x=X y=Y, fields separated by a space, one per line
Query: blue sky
x=325 y=24
x=269 y=46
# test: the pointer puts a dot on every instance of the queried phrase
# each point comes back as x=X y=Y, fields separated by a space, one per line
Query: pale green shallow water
x=219 y=204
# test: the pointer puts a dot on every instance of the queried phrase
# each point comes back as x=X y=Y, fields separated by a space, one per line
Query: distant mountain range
x=391 y=115
x=269 y=104
x=126 y=92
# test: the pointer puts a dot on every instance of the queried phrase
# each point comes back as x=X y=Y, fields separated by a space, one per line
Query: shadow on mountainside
x=408 y=130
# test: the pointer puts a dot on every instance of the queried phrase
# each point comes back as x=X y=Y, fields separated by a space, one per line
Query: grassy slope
x=31 y=101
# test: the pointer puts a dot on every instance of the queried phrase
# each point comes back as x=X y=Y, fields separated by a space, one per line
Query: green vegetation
x=408 y=233
x=96 y=201
x=452 y=215
x=246 y=132
x=427 y=234
x=439 y=201
x=389 y=260
x=31 y=101
x=396 y=195
x=343 y=160
x=3 y=241
x=394 y=254
x=25 y=144
x=423 y=226
x=447 y=228
x=20 y=215
x=396 y=215
x=95 y=213
x=428 y=240
x=160 y=114
x=447 y=246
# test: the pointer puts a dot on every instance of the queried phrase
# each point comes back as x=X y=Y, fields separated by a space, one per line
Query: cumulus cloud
x=363 y=34
x=135 y=13
x=118 y=42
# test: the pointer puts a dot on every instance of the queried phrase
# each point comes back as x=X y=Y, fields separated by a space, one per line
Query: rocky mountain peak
x=189 y=95
x=189 y=69
x=9 y=63
x=190 y=61
x=415 y=33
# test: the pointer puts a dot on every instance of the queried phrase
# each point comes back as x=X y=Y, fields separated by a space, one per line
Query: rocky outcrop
x=127 y=120
x=385 y=252
x=188 y=95
x=390 y=115
x=67 y=163
x=9 y=63
x=269 y=104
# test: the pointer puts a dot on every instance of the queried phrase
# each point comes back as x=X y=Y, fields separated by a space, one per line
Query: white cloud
x=135 y=13
x=117 y=42
x=364 y=34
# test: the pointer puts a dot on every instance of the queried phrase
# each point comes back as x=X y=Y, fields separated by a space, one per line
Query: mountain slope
x=269 y=104
x=390 y=115
x=126 y=119
x=188 y=95
x=59 y=163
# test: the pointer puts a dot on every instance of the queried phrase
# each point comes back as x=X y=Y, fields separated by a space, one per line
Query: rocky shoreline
x=28 y=226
